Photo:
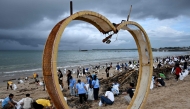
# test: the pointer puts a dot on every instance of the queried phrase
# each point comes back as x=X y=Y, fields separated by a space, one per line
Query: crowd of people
x=89 y=89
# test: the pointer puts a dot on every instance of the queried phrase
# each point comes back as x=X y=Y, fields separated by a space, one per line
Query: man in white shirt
x=108 y=98
x=27 y=102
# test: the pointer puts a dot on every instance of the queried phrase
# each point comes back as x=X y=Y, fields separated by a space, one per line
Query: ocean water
x=27 y=62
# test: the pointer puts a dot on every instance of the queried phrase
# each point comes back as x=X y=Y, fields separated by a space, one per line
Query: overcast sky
x=26 y=24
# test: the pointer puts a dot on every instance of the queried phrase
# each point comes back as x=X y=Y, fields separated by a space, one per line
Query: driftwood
x=123 y=78
x=9 y=80
x=25 y=89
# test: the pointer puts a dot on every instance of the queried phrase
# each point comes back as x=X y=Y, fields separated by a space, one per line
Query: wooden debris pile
x=123 y=78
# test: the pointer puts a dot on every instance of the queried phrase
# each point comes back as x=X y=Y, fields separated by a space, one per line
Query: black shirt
x=130 y=92
x=161 y=81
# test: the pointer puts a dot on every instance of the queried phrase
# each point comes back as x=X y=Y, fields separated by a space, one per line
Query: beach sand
x=175 y=95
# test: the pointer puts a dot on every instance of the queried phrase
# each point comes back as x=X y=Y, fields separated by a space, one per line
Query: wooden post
x=71 y=7
x=129 y=14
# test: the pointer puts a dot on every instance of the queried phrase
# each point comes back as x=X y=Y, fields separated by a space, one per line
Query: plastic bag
x=65 y=99
x=127 y=98
x=14 y=87
x=1 y=100
x=87 y=86
x=90 y=94
x=172 y=70
x=151 y=85
x=21 y=81
x=100 y=103
x=61 y=88
x=185 y=73
x=41 y=83
x=181 y=77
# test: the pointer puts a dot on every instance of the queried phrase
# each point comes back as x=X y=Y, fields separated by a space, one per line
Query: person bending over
x=10 y=84
x=129 y=93
x=8 y=102
x=42 y=104
x=159 y=82
x=108 y=98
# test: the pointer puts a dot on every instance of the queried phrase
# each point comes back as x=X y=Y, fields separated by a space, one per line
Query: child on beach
x=177 y=71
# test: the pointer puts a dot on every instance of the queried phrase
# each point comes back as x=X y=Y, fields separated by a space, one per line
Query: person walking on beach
x=27 y=102
x=107 y=71
x=78 y=71
x=8 y=102
x=96 y=85
x=177 y=71
x=81 y=90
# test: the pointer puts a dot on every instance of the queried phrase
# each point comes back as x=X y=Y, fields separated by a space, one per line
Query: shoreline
x=37 y=92
x=17 y=75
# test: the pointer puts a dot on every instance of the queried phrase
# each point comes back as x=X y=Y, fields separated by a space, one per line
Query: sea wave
x=21 y=71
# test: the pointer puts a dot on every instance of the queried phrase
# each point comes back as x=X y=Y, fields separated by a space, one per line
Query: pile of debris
x=123 y=78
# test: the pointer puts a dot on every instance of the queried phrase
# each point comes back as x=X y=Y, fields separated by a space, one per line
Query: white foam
x=20 y=71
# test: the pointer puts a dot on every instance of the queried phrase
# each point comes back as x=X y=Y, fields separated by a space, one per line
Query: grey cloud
x=24 y=15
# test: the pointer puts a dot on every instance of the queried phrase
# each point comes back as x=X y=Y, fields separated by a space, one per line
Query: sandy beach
x=175 y=95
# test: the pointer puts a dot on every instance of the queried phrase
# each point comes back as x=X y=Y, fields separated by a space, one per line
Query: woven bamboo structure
x=103 y=25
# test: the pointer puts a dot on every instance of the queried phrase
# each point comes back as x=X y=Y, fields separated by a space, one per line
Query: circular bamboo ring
x=49 y=64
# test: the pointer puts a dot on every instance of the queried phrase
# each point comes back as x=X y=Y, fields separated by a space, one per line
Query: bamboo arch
x=49 y=64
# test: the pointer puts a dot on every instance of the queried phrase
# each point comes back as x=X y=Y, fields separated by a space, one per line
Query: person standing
x=8 y=102
x=60 y=77
x=177 y=71
x=78 y=71
x=185 y=65
x=81 y=90
x=107 y=72
x=96 y=85
x=68 y=77
x=118 y=67
x=71 y=86
x=84 y=73
x=27 y=102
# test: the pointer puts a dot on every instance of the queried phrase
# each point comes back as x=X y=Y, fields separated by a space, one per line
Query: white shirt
x=110 y=95
x=27 y=102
